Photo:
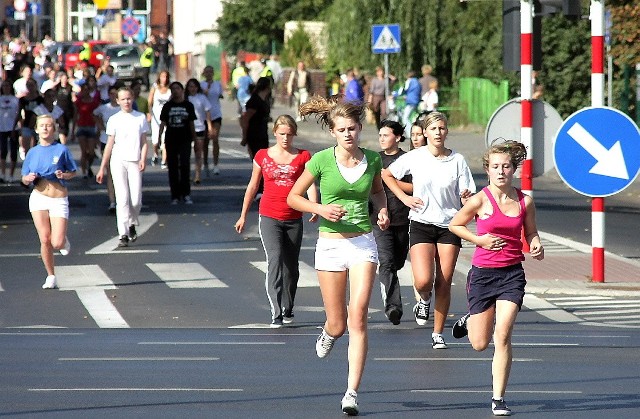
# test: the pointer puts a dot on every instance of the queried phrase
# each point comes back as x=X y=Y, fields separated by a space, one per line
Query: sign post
x=385 y=39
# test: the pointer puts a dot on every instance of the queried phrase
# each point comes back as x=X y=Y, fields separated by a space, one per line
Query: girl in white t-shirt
x=202 y=124
x=441 y=182
x=158 y=96
x=126 y=152
x=213 y=90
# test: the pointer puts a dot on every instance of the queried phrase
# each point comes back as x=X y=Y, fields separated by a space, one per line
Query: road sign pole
x=386 y=83
x=526 y=70
x=597 y=99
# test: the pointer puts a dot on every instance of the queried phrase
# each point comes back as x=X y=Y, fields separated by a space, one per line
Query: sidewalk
x=567 y=266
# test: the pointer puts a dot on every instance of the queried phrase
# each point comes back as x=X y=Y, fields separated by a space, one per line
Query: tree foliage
x=256 y=25
x=299 y=48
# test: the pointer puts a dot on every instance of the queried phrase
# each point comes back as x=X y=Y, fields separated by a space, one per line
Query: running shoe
x=324 y=344
x=499 y=407
x=350 y=403
x=437 y=341
x=394 y=316
x=174 y=201
x=459 y=329
x=112 y=208
x=22 y=153
x=421 y=312
x=276 y=324
x=124 y=241
x=50 y=283
x=67 y=247
x=188 y=200
x=216 y=170
x=287 y=317
x=154 y=160
x=163 y=166
x=133 y=234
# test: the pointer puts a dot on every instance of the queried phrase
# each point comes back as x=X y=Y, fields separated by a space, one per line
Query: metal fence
x=479 y=98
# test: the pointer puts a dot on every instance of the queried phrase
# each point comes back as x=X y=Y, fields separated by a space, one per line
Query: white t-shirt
x=437 y=182
x=213 y=91
x=9 y=108
x=430 y=100
x=201 y=105
x=20 y=87
x=127 y=128
x=106 y=111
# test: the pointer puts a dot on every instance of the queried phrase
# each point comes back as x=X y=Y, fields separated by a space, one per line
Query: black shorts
x=218 y=120
x=201 y=134
x=429 y=233
x=486 y=285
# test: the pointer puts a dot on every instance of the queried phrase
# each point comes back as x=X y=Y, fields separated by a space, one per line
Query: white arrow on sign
x=610 y=162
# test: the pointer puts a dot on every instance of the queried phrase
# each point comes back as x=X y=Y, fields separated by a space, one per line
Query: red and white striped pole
x=597 y=100
x=526 y=91
x=526 y=73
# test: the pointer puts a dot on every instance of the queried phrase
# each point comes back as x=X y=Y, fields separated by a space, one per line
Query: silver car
x=125 y=59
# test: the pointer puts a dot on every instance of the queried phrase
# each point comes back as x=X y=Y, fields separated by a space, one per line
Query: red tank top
x=505 y=227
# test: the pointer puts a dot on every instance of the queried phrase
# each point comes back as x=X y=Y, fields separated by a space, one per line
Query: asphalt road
x=177 y=324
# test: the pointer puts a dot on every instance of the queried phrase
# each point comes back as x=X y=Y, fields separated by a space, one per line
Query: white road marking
x=90 y=282
x=137 y=389
x=308 y=275
x=18 y=255
x=610 y=312
x=549 y=310
x=510 y=391
x=455 y=359
x=111 y=245
x=220 y=249
x=186 y=275
x=164 y=358
x=211 y=343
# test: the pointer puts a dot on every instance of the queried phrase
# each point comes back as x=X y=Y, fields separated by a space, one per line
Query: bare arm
x=379 y=200
x=249 y=195
x=144 y=145
x=394 y=185
x=106 y=156
x=531 y=230
x=244 y=124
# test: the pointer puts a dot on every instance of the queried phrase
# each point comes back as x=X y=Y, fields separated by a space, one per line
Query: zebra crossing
x=612 y=311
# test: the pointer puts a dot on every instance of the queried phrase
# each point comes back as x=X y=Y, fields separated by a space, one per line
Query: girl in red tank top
x=496 y=281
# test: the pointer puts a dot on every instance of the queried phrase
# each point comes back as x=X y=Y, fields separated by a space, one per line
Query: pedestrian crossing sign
x=385 y=39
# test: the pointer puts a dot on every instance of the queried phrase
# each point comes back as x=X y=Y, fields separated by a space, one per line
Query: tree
x=299 y=48
x=254 y=25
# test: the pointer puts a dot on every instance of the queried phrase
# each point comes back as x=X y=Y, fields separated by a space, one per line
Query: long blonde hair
x=285 y=120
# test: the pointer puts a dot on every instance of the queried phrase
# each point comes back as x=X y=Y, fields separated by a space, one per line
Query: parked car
x=97 y=53
x=59 y=52
x=125 y=59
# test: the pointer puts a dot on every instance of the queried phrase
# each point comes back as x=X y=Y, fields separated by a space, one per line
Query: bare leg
x=506 y=313
x=446 y=257
x=422 y=264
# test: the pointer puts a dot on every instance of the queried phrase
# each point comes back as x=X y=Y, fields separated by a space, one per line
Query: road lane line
x=138 y=389
x=18 y=255
x=510 y=391
x=186 y=275
x=220 y=249
x=111 y=245
x=549 y=310
x=211 y=343
x=455 y=359
x=134 y=359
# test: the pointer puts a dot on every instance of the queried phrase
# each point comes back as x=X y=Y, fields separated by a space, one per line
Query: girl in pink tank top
x=496 y=281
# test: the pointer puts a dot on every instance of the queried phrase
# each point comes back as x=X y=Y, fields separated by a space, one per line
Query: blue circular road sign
x=597 y=151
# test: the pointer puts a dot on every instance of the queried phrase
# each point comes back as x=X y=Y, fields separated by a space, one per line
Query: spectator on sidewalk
x=299 y=86
x=9 y=116
x=353 y=91
x=426 y=79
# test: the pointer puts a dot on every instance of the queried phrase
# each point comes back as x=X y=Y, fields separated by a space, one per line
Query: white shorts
x=337 y=255
x=57 y=207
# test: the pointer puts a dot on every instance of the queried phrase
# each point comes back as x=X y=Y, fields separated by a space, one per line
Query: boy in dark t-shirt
x=177 y=118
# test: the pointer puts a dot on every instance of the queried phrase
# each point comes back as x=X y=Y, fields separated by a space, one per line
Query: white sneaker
x=67 y=247
x=22 y=153
x=350 y=403
x=188 y=200
x=437 y=341
x=216 y=170
x=50 y=283
x=324 y=344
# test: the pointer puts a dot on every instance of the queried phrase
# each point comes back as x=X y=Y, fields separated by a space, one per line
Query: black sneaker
x=421 y=311
x=394 y=316
x=287 y=316
x=276 y=323
x=459 y=329
x=124 y=241
x=499 y=407
x=133 y=234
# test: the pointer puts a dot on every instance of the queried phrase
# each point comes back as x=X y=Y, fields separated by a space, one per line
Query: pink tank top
x=505 y=227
